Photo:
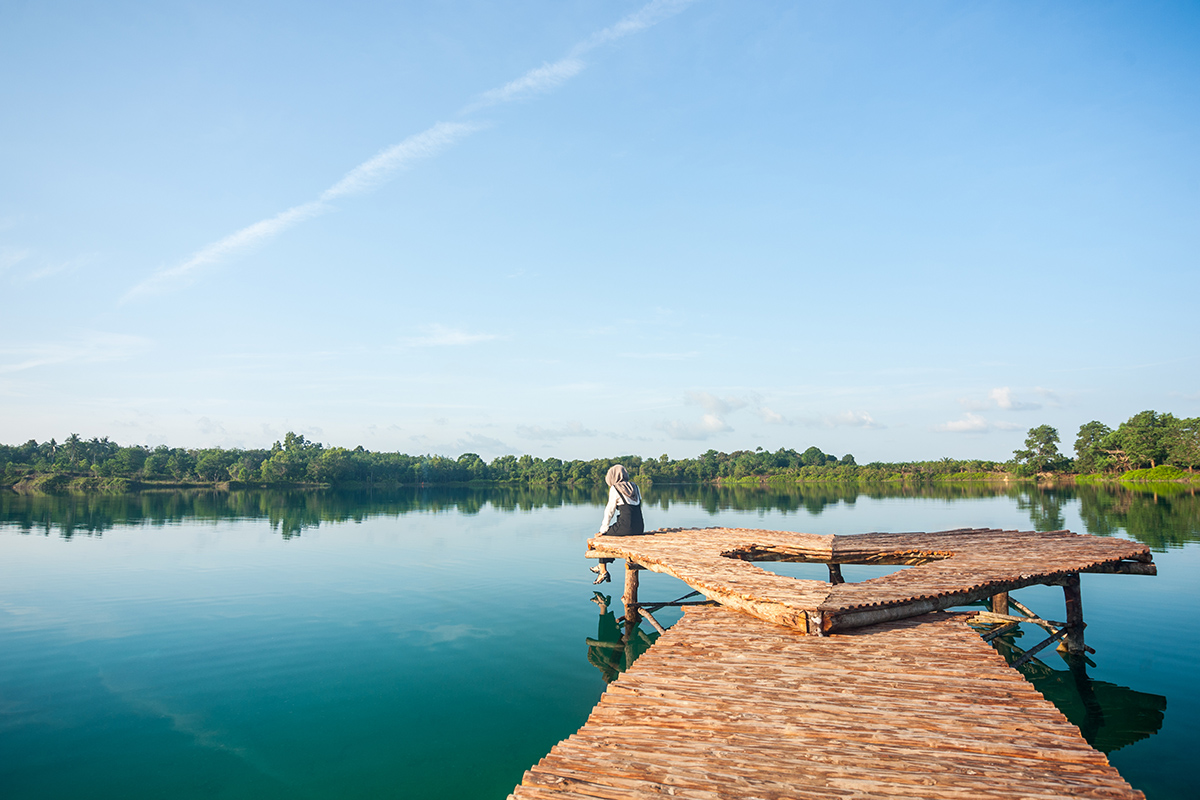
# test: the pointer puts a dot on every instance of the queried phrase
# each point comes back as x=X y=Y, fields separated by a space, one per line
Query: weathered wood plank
x=727 y=706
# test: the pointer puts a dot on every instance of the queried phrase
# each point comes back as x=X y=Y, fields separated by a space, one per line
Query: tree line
x=297 y=460
x=1147 y=440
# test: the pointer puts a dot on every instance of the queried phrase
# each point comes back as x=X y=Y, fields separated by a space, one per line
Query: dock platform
x=728 y=706
x=946 y=569
x=810 y=689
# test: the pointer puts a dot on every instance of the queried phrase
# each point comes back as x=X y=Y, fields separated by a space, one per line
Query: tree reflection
x=1168 y=516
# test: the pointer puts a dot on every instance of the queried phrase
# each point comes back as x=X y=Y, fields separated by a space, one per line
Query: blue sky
x=899 y=230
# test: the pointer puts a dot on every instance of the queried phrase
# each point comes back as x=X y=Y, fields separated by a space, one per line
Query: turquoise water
x=435 y=644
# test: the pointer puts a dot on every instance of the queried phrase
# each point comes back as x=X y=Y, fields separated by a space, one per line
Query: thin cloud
x=715 y=405
x=376 y=170
x=973 y=423
x=852 y=419
x=1051 y=397
x=223 y=248
x=662 y=356
x=1003 y=398
x=710 y=425
x=53 y=268
x=91 y=347
x=442 y=336
x=424 y=145
x=539 y=433
x=209 y=426
x=970 y=423
x=645 y=17
x=11 y=256
x=538 y=80
x=771 y=417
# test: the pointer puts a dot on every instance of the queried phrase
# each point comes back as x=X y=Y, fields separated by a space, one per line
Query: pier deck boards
x=728 y=706
x=948 y=568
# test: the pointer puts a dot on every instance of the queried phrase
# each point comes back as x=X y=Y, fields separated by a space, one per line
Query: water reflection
x=615 y=647
x=1161 y=517
x=1109 y=716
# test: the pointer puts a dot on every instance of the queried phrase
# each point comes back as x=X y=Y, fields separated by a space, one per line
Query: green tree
x=1089 y=453
x=1041 y=451
x=1183 y=443
x=1144 y=438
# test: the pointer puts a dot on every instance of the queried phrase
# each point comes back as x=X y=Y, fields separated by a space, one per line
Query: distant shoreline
x=82 y=483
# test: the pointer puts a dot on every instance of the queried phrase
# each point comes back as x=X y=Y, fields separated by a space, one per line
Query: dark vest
x=628 y=522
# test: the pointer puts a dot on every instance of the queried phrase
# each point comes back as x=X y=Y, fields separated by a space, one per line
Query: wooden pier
x=838 y=690
x=947 y=569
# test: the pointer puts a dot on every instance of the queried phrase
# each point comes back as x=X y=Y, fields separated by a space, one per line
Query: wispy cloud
x=221 y=249
x=1051 y=397
x=11 y=256
x=539 y=433
x=209 y=426
x=52 y=268
x=852 y=419
x=420 y=146
x=662 y=356
x=89 y=347
x=710 y=424
x=973 y=423
x=771 y=417
x=536 y=81
x=714 y=404
x=443 y=336
x=1002 y=397
x=485 y=447
x=645 y=17
x=374 y=171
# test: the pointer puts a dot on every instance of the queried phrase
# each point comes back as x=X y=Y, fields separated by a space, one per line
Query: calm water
x=435 y=643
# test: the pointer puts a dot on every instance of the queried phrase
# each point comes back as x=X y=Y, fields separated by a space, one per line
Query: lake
x=434 y=642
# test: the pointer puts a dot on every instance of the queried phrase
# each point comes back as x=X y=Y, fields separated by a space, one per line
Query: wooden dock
x=728 y=706
x=947 y=569
x=833 y=689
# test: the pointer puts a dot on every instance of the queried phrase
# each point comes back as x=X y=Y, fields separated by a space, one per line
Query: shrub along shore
x=1149 y=447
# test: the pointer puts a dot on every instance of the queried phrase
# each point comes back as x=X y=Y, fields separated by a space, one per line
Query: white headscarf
x=618 y=478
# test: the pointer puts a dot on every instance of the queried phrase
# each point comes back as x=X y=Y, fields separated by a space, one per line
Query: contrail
x=420 y=146
x=375 y=171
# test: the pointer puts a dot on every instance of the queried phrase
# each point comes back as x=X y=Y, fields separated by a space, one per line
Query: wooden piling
x=835 y=574
x=629 y=598
x=1075 y=623
x=1000 y=603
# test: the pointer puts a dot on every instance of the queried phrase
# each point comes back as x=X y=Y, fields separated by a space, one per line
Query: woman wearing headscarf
x=624 y=501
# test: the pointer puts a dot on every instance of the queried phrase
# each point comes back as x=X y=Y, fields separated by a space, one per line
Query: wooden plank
x=728 y=706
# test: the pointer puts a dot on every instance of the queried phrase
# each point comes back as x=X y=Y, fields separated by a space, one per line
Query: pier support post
x=629 y=598
x=835 y=574
x=1000 y=603
x=633 y=617
x=1075 y=623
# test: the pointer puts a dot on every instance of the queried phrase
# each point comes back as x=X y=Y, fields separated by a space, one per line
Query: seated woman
x=625 y=501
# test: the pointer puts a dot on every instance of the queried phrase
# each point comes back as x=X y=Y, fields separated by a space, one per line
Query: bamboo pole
x=1037 y=648
x=653 y=622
